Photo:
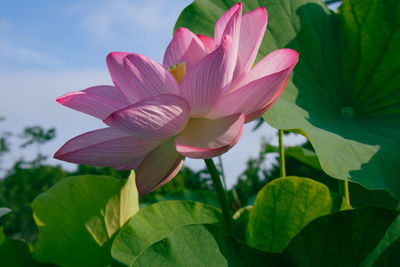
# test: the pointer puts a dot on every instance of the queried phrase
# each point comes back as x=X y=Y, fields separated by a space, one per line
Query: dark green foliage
x=250 y=182
x=14 y=253
x=95 y=170
x=347 y=238
x=17 y=191
x=37 y=135
x=186 y=179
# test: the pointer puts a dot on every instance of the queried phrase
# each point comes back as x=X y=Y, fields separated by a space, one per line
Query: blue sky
x=78 y=34
x=49 y=48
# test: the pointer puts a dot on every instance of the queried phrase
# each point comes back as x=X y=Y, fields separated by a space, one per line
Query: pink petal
x=105 y=147
x=204 y=138
x=148 y=77
x=261 y=111
x=209 y=79
x=134 y=164
x=115 y=66
x=252 y=31
x=229 y=24
x=185 y=47
x=158 y=168
x=252 y=97
x=208 y=43
x=155 y=117
x=98 y=101
x=276 y=61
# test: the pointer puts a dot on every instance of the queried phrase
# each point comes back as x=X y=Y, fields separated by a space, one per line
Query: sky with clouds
x=49 y=48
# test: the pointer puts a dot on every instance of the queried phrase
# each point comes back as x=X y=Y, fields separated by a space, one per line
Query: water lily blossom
x=193 y=105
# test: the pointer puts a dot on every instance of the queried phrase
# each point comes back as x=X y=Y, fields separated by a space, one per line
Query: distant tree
x=37 y=135
x=17 y=191
x=254 y=177
x=4 y=141
x=95 y=170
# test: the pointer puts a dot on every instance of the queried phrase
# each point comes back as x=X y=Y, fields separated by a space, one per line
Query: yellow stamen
x=178 y=71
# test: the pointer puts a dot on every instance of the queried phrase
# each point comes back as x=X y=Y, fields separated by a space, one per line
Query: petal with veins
x=134 y=164
x=252 y=97
x=204 y=138
x=154 y=117
x=229 y=24
x=98 y=101
x=252 y=31
x=186 y=48
x=208 y=42
x=158 y=168
x=115 y=67
x=148 y=77
x=209 y=78
x=276 y=61
x=105 y=147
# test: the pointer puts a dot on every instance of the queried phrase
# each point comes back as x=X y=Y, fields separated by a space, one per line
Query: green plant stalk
x=222 y=195
x=281 y=154
x=221 y=169
x=344 y=190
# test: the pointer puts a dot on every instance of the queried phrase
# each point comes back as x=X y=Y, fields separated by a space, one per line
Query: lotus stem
x=221 y=170
x=222 y=195
x=344 y=190
x=281 y=154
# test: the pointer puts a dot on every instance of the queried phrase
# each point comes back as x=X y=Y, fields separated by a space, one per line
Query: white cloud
x=143 y=27
x=17 y=50
x=111 y=20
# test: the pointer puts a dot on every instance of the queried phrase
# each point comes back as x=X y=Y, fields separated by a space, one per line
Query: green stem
x=281 y=154
x=222 y=195
x=221 y=169
x=344 y=190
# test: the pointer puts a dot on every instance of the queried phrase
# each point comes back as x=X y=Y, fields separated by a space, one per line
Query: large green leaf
x=79 y=217
x=347 y=238
x=359 y=196
x=203 y=196
x=203 y=245
x=390 y=257
x=344 y=94
x=155 y=223
x=240 y=220
x=283 y=207
x=14 y=252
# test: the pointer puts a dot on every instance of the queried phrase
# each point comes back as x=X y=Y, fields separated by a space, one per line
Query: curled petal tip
x=294 y=54
x=112 y=55
x=109 y=119
x=262 y=8
x=64 y=98
x=56 y=155
x=60 y=99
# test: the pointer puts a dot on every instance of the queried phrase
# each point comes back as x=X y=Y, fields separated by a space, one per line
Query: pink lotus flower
x=194 y=105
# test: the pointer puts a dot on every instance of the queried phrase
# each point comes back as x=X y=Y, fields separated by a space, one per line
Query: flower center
x=178 y=71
